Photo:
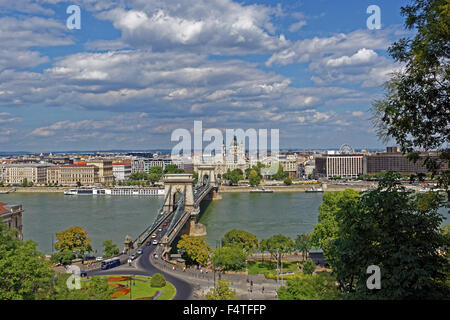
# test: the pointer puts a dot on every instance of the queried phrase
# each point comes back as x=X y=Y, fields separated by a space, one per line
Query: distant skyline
x=137 y=70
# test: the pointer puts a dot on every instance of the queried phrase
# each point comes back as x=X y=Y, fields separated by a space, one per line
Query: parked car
x=133 y=256
x=140 y=251
x=99 y=259
x=155 y=241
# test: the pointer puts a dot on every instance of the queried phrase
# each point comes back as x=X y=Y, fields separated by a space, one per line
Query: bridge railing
x=160 y=217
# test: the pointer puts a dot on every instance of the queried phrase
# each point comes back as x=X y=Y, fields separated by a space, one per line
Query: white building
x=121 y=171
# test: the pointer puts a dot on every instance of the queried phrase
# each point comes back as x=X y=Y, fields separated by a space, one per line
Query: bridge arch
x=175 y=184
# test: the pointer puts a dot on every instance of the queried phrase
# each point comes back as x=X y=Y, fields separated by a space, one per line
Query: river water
x=114 y=217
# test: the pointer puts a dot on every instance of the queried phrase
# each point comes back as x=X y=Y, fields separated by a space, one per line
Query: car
x=133 y=256
x=140 y=251
x=149 y=243
x=155 y=241
x=165 y=223
x=154 y=235
x=99 y=259
x=83 y=273
x=160 y=229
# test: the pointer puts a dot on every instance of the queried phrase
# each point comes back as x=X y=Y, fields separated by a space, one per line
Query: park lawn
x=260 y=267
x=142 y=288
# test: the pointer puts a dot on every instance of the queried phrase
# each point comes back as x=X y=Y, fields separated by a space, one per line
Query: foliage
x=414 y=110
x=157 y=280
x=63 y=257
x=281 y=174
x=309 y=267
x=73 y=239
x=244 y=239
x=195 y=250
x=325 y=232
x=222 y=291
x=172 y=168
x=277 y=245
x=310 y=287
x=253 y=178
x=24 y=273
x=287 y=181
x=397 y=231
x=110 y=249
x=229 y=258
x=234 y=176
x=94 y=289
x=303 y=244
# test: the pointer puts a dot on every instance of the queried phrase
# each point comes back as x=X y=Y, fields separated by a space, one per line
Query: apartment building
x=337 y=165
x=17 y=173
x=121 y=170
x=73 y=175
x=105 y=170
x=11 y=215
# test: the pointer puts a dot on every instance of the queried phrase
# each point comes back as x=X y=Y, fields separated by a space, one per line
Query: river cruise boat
x=118 y=191
x=262 y=190
x=313 y=189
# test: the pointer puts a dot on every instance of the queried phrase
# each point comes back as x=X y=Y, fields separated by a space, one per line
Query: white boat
x=118 y=191
x=313 y=189
x=262 y=190
x=4 y=192
x=71 y=192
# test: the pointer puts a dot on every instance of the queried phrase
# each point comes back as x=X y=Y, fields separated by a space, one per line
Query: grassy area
x=260 y=267
x=140 y=288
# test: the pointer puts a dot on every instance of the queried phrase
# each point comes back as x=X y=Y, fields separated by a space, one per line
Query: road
x=143 y=266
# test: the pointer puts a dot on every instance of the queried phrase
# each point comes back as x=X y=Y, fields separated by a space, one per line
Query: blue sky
x=139 y=69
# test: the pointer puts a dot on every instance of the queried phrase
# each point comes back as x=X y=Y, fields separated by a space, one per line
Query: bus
x=110 y=263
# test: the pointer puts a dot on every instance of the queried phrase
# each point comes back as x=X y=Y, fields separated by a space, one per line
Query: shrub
x=157 y=281
x=309 y=267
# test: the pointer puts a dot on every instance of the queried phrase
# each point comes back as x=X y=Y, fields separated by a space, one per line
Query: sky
x=136 y=70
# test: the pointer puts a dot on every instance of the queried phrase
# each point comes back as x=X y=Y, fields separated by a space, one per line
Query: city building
x=105 y=170
x=73 y=175
x=340 y=165
x=121 y=170
x=17 y=173
x=11 y=215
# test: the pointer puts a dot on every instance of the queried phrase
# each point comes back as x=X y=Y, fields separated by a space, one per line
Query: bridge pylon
x=176 y=183
x=204 y=170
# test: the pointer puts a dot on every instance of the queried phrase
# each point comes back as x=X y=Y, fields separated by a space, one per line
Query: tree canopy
x=277 y=245
x=229 y=258
x=241 y=238
x=73 y=239
x=195 y=250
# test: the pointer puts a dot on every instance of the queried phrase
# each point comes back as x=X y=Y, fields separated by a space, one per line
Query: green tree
x=172 y=168
x=109 y=248
x=93 y=289
x=281 y=174
x=73 y=239
x=414 y=110
x=287 y=181
x=229 y=258
x=63 y=257
x=25 y=182
x=154 y=177
x=195 y=250
x=278 y=245
x=157 y=280
x=222 y=291
x=400 y=233
x=310 y=287
x=246 y=240
x=254 y=179
x=325 y=232
x=303 y=244
x=24 y=273
x=309 y=267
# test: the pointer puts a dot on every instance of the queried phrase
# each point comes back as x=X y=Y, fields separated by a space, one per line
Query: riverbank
x=294 y=188
x=34 y=189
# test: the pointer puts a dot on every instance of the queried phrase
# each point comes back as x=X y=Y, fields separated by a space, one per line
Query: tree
x=23 y=270
x=309 y=267
x=172 y=168
x=94 y=289
x=303 y=244
x=287 y=181
x=154 y=177
x=229 y=258
x=73 y=239
x=310 y=287
x=414 y=110
x=281 y=174
x=235 y=175
x=62 y=257
x=400 y=233
x=246 y=240
x=325 y=232
x=278 y=245
x=25 y=182
x=157 y=280
x=222 y=291
x=109 y=248
x=254 y=179
x=195 y=250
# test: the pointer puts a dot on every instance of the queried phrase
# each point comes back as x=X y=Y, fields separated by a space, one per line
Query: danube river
x=114 y=217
